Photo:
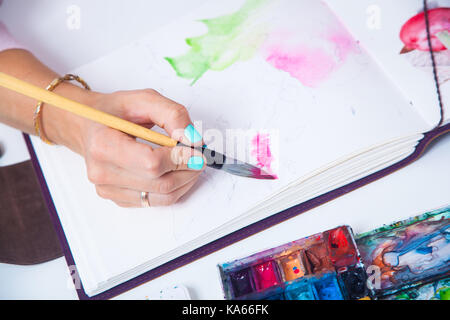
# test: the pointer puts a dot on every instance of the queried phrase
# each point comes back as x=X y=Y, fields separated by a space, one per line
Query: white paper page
x=377 y=24
x=313 y=117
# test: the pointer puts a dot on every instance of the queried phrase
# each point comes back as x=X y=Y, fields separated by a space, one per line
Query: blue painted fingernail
x=192 y=134
x=195 y=163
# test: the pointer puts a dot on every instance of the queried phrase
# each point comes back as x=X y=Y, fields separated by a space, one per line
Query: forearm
x=17 y=110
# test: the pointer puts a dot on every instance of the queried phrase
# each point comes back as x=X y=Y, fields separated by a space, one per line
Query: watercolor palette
x=324 y=266
x=405 y=260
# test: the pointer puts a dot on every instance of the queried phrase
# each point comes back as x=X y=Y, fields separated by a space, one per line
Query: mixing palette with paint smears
x=409 y=253
x=324 y=266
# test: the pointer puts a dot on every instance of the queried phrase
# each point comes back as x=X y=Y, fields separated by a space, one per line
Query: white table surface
x=108 y=24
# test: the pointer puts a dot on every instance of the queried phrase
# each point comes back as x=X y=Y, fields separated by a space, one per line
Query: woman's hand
x=121 y=167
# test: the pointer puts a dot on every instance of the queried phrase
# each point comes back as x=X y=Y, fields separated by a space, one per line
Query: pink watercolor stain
x=261 y=150
x=343 y=42
x=310 y=66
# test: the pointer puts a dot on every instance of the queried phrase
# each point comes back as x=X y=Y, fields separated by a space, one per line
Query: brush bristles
x=247 y=170
x=219 y=161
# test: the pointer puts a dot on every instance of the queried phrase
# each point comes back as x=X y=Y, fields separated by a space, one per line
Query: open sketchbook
x=332 y=100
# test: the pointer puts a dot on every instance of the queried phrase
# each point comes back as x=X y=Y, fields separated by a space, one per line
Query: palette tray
x=408 y=253
x=324 y=266
x=405 y=260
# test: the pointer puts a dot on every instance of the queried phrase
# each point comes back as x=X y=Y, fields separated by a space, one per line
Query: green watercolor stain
x=230 y=38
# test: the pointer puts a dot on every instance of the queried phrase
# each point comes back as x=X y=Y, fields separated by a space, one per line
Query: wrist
x=63 y=127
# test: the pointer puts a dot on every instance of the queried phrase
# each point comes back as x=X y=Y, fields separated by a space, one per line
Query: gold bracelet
x=39 y=129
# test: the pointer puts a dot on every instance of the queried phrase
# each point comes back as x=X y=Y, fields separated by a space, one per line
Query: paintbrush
x=213 y=159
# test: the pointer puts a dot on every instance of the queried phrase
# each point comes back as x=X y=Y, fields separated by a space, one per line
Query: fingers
x=124 y=187
x=118 y=177
x=111 y=147
x=132 y=198
x=148 y=106
x=121 y=167
x=179 y=158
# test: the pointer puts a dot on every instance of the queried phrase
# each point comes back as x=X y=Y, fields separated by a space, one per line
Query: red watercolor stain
x=338 y=239
x=261 y=150
x=342 y=252
x=414 y=35
x=265 y=274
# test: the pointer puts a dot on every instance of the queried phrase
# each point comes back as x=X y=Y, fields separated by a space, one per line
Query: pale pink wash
x=310 y=66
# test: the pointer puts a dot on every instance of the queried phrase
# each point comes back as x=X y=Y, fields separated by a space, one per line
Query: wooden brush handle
x=84 y=111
